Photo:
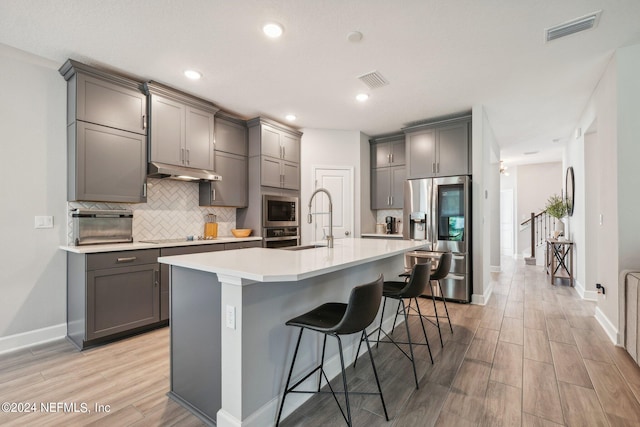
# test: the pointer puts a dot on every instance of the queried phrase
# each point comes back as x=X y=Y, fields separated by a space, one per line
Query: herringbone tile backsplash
x=171 y=212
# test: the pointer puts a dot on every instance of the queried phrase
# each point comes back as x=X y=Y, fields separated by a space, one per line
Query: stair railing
x=542 y=226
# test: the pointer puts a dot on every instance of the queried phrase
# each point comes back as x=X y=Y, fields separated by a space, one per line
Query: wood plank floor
x=533 y=356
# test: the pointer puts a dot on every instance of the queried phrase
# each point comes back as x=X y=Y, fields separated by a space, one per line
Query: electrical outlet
x=231 y=317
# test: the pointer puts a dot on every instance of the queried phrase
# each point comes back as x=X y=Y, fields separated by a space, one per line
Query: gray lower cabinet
x=438 y=149
x=106 y=164
x=112 y=294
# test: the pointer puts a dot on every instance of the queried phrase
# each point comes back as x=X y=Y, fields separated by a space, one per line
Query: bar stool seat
x=337 y=319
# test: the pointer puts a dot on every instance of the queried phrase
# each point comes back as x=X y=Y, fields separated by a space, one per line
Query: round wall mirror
x=570 y=190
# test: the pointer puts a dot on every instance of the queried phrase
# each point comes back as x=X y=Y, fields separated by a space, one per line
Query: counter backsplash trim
x=171 y=212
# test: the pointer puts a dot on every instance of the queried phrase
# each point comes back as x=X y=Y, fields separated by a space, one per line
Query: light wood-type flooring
x=533 y=356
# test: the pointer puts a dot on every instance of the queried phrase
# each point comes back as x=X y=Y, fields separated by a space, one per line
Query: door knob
x=346 y=233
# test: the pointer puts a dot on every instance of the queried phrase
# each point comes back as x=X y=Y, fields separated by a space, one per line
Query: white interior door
x=506 y=222
x=339 y=182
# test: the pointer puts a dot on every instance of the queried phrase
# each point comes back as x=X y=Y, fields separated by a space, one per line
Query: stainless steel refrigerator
x=438 y=210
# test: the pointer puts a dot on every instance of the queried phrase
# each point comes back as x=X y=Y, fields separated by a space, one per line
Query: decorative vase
x=559 y=228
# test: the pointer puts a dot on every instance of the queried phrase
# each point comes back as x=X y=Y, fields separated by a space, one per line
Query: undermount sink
x=301 y=248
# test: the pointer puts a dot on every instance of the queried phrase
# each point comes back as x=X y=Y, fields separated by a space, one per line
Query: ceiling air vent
x=373 y=80
x=583 y=23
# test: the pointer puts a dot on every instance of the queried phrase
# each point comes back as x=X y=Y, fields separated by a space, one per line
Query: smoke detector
x=577 y=25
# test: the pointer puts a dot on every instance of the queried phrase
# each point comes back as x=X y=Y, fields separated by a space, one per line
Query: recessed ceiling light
x=354 y=36
x=290 y=117
x=193 y=74
x=362 y=97
x=529 y=153
x=273 y=30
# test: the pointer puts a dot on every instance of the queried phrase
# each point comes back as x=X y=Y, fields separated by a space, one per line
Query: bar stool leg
x=413 y=360
x=344 y=381
x=435 y=309
x=375 y=374
x=445 y=307
x=384 y=303
x=286 y=387
x=324 y=345
x=424 y=331
x=362 y=337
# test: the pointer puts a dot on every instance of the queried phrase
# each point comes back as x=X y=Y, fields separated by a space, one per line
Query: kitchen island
x=229 y=343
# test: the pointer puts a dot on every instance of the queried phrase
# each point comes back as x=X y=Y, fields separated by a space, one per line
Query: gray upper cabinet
x=109 y=164
x=388 y=151
x=279 y=149
x=181 y=128
x=230 y=162
x=106 y=136
x=388 y=172
x=110 y=104
x=231 y=135
x=439 y=149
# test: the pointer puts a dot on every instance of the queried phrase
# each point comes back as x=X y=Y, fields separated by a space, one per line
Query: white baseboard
x=583 y=293
x=609 y=328
x=31 y=338
x=482 y=299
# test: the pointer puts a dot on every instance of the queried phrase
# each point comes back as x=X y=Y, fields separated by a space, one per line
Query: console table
x=559 y=260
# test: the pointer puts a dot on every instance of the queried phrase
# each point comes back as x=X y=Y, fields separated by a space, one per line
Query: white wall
x=33 y=156
x=323 y=147
x=485 y=189
x=535 y=183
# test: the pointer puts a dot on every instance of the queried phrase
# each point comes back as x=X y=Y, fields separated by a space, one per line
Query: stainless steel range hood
x=163 y=170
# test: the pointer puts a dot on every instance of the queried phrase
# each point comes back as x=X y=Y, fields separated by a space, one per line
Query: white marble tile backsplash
x=171 y=212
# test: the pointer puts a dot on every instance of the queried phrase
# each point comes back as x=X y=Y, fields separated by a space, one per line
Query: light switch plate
x=43 y=222
x=231 y=317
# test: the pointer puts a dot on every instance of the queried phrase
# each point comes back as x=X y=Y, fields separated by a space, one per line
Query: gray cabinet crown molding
x=430 y=123
x=71 y=67
x=257 y=121
x=155 y=88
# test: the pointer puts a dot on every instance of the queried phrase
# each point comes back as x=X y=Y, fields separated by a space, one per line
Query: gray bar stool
x=337 y=319
x=411 y=289
x=444 y=266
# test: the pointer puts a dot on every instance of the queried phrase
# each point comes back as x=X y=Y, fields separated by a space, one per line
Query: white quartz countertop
x=382 y=236
x=115 y=247
x=276 y=265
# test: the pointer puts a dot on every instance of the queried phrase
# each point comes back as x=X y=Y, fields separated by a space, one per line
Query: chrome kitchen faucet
x=310 y=215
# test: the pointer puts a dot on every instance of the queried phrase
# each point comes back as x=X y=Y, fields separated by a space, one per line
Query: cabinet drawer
x=122 y=259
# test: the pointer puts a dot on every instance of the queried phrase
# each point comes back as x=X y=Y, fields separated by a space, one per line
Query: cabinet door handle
x=187 y=156
x=213 y=193
x=127 y=259
x=433 y=168
x=155 y=278
x=144 y=122
x=391 y=157
x=284 y=152
x=144 y=189
x=438 y=167
x=182 y=155
x=391 y=201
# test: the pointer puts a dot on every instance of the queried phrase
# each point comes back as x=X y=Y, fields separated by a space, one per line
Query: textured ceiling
x=440 y=57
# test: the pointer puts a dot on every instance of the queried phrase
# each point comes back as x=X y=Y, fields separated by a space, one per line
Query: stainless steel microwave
x=279 y=211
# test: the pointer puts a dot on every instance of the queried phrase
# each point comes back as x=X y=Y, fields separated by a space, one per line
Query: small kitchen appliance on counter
x=391 y=224
x=210 y=227
x=92 y=227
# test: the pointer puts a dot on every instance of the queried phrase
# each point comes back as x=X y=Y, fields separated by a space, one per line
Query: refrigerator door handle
x=454 y=277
